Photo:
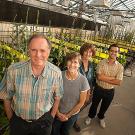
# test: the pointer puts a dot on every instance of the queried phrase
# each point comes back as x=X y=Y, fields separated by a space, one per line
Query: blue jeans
x=62 y=128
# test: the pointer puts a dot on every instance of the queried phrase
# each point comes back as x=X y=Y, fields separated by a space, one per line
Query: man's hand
x=89 y=96
x=62 y=117
x=108 y=79
x=8 y=109
x=55 y=106
x=103 y=77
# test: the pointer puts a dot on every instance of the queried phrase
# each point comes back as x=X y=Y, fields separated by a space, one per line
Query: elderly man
x=32 y=91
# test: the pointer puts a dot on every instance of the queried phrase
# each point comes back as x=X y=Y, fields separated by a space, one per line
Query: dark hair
x=40 y=36
x=71 y=56
x=86 y=47
x=113 y=45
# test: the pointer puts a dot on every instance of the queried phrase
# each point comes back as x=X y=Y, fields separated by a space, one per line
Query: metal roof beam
x=125 y=4
x=76 y=2
x=113 y=2
x=117 y=4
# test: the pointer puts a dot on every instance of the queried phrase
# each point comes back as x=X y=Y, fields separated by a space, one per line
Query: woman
x=87 y=51
x=75 y=91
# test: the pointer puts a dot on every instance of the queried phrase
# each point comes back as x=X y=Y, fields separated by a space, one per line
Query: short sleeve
x=59 y=85
x=119 y=76
x=84 y=84
x=7 y=84
x=3 y=92
x=99 y=68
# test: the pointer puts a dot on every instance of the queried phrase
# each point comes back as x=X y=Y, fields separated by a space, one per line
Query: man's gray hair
x=40 y=36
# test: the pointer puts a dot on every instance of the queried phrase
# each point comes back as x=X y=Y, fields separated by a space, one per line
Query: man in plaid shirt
x=32 y=91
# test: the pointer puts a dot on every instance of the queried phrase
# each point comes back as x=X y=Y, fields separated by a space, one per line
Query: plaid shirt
x=3 y=94
x=115 y=70
x=32 y=97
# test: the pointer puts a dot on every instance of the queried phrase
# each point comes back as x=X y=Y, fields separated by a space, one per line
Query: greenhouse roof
x=115 y=12
x=88 y=9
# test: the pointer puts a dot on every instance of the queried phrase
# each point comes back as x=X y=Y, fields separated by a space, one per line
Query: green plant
x=7 y=56
x=128 y=37
x=3 y=120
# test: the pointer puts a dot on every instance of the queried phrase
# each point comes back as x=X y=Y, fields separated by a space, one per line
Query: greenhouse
x=68 y=25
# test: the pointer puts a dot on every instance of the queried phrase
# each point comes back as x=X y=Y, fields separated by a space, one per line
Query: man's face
x=113 y=52
x=39 y=51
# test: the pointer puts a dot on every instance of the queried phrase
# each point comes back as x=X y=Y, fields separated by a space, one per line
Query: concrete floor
x=120 y=118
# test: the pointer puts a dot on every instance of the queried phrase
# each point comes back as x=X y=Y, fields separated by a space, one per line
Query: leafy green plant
x=3 y=120
x=7 y=56
x=128 y=37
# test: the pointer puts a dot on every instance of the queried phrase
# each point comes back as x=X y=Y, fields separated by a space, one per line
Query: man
x=109 y=73
x=33 y=91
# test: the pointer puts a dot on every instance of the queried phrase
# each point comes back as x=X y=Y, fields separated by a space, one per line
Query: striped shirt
x=115 y=70
x=3 y=94
x=32 y=97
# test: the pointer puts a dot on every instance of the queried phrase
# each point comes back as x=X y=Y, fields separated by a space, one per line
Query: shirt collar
x=115 y=62
x=44 y=73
